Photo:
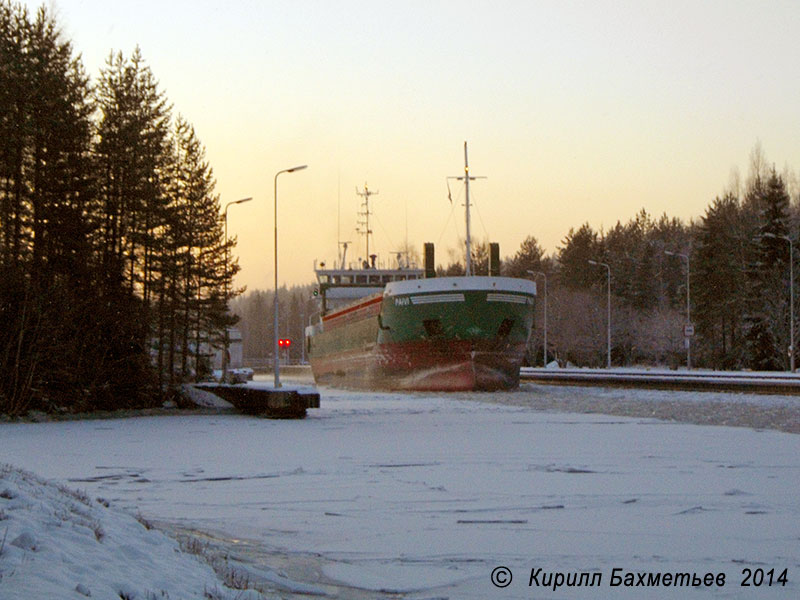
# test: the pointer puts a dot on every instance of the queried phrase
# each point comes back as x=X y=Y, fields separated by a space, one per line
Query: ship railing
x=364 y=265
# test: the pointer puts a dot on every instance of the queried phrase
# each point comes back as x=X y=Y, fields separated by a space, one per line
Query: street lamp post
x=544 y=276
x=275 y=359
x=227 y=337
x=791 y=294
x=688 y=308
x=608 y=310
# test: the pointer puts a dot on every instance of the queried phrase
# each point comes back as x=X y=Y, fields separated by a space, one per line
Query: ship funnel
x=430 y=265
x=494 y=259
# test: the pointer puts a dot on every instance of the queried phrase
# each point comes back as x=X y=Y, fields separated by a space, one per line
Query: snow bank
x=204 y=398
x=59 y=543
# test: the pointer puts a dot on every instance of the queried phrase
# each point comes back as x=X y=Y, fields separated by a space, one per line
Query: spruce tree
x=203 y=246
x=578 y=248
x=528 y=258
x=766 y=321
x=719 y=293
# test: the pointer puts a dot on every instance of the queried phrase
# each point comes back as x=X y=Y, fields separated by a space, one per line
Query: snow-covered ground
x=384 y=495
x=56 y=542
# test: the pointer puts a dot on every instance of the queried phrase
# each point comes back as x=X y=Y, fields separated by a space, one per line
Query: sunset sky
x=574 y=111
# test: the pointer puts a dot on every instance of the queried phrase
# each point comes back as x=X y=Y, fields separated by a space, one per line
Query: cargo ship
x=404 y=328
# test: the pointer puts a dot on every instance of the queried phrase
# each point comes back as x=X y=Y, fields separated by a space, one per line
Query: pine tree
x=60 y=346
x=100 y=222
x=131 y=159
x=192 y=274
x=132 y=154
x=15 y=83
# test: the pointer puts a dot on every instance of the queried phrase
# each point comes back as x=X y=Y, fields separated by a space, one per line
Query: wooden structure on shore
x=282 y=403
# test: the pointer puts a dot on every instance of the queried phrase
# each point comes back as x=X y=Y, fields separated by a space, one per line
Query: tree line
x=114 y=269
x=735 y=261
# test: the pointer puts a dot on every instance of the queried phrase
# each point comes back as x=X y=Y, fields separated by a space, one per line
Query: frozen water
x=425 y=495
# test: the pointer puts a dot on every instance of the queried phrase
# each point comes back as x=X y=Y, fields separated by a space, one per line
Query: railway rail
x=713 y=381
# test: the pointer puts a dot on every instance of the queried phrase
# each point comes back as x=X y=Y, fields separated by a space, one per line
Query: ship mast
x=466 y=193
x=366 y=194
x=466 y=178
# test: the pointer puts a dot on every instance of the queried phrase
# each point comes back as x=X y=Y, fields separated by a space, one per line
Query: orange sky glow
x=574 y=111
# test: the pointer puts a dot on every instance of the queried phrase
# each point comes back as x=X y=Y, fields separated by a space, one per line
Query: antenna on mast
x=365 y=214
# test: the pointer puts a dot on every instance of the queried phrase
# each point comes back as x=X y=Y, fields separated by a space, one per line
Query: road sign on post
x=688 y=330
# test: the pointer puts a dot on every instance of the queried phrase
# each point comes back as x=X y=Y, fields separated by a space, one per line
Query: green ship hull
x=449 y=333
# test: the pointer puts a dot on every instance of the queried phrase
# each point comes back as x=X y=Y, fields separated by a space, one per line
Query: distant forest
x=114 y=269
x=115 y=272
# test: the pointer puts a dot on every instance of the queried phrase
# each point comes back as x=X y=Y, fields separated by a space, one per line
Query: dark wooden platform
x=282 y=403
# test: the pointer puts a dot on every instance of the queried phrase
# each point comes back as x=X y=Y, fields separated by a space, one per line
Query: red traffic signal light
x=284 y=342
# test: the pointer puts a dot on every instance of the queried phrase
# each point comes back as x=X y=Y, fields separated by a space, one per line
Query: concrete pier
x=289 y=402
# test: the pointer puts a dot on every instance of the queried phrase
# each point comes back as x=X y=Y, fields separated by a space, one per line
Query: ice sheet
x=427 y=494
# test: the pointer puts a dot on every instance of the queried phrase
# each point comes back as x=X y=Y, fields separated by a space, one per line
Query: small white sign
x=688 y=330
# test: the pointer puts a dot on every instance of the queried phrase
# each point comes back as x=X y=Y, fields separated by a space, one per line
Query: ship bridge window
x=433 y=327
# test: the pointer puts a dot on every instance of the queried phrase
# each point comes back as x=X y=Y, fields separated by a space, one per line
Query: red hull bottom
x=425 y=366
